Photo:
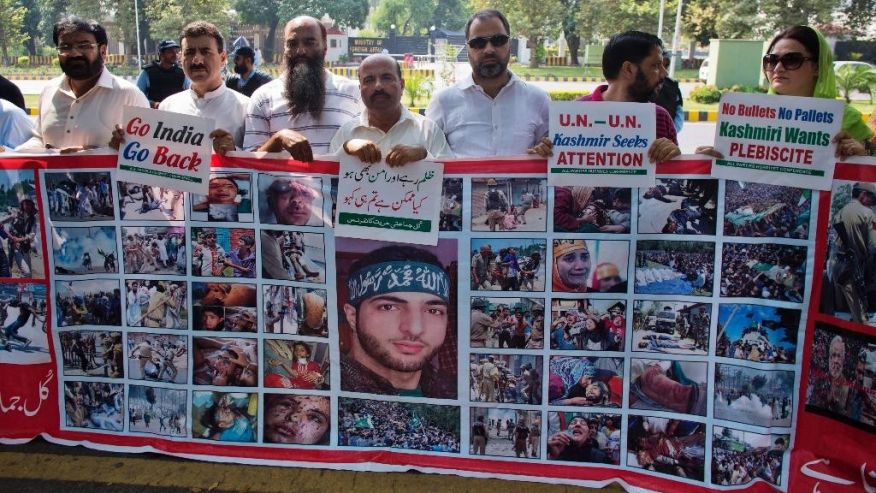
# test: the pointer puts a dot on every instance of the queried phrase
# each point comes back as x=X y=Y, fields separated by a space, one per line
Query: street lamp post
x=675 y=39
x=137 y=24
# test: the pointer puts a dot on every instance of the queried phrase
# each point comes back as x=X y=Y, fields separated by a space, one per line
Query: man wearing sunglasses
x=491 y=112
x=78 y=110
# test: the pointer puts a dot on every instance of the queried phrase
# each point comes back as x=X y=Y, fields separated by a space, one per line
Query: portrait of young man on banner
x=291 y=200
x=397 y=326
x=297 y=419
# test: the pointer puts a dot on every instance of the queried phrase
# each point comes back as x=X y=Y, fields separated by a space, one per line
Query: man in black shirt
x=247 y=78
x=669 y=97
x=164 y=76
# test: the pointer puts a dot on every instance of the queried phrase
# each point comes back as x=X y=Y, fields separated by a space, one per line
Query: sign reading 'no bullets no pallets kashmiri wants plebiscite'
x=774 y=139
x=166 y=149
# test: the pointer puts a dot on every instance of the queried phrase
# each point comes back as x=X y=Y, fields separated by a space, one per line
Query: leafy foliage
x=12 y=32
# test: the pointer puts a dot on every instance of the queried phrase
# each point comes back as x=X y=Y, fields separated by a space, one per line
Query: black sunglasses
x=791 y=61
x=496 y=40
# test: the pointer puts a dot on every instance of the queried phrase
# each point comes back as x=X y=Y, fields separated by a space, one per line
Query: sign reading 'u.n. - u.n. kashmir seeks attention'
x=601 y=144
x=771 y=139
x=166 y=149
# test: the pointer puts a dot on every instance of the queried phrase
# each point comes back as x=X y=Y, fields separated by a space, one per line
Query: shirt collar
x=210 y=94
x=405 y=115
x=469 y=82
x=105 y=80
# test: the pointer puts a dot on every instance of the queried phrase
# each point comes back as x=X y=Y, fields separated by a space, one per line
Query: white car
x=704 y=70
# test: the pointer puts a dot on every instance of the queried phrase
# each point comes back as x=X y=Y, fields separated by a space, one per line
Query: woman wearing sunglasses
x=799 y=62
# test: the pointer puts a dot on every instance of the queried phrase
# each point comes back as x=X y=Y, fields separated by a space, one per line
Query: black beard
x=79 y=71
x=305 y=89
x=639 y=91
x=485 y=71
x=239 y=69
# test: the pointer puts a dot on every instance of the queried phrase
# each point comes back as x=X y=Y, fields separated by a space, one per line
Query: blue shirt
x=16 y=127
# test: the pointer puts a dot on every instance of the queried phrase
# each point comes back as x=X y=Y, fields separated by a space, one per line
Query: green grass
x=31 y=100
x=588 y=71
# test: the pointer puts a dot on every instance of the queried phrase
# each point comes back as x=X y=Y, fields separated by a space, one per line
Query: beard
x=371 y=345
x=239 y=69
x=305 y=89
x=80 y=68
x=491 y=70
x=640 y=91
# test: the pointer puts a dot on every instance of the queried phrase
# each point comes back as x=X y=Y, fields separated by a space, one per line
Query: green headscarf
x=825 y=87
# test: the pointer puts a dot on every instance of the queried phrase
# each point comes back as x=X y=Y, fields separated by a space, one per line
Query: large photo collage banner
x=657 y=330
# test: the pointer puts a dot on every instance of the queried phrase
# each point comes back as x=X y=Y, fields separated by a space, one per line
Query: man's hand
x=403 y=154
x=557 y=443
x=72 y=149
x=290 y=141
x=847 y=146
x=709 y=151
x=223 y=142
x=364 y=149
x=663 y=149
x=117 y=138
x=2 y=149
x=544 y=148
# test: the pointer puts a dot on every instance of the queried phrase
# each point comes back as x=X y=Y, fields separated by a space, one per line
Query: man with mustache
x=300 y=112
x=246 y=78
x=492 y=112
x=164 y=76
x=386 y=129
x=78 y=110
x=397 y=309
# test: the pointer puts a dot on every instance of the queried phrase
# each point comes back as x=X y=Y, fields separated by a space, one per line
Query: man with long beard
x=300 y=112
x=78 y=110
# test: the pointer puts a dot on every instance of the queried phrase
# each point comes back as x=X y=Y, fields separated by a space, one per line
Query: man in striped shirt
x=301 y=111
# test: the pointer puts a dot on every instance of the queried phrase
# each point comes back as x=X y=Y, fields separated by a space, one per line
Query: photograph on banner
x=773 y=139
x=590 y=266
x=508 y=204
x=741 y=457
x=292 y=256
x=401 y=425
x=92 y=353
x=763 y=270
x=671 y=327
x=397 y=317
x=588 y=324
x=138 y=202
x=764 y=334
x=158 y=357
x=668 y=446
x=601 y=144
x=505 y=378
x=674 y=267
x=21 y=252
x=669 y=385
x=228 y=199
x=295 y=311
x=225 y=416
x=88 y=302
x=148 y=249
x=592 y=210
x=291 y=200
x=291 y=364
x=297 y=419
x=223 y=252
x=451 y=205
x=677 y=206
x=517 y=432
x=84 y=250
x=76 y=195
x=584 y=437
x=762 y=210
x=95 y=405
x=754 y=396
x=157 y=410
x=508 y=264
x=842 y=376
x=224 y=307
x=585 y=381
x=225 y=361
x=333 y=192
x=850 y=268
x=515 y=323
x=24 y=338
x=157 y=304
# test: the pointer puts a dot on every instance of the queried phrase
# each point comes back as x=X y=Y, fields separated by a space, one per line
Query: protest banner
x=773 y=139
x=377 y=199
x=601 y=144
x=672 y=337
x=166 y=149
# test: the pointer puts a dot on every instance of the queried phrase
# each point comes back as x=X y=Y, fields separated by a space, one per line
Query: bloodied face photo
x=397 y=317
x=292 y=255
x=763 y=270
x=157 y=411
x=672 y=327
x=584 y=437
x=508 y=204
x=504 y=432
x=508 y=264
x=84 y=250
x=92 y=353
x=762 y=210
x=681 y=207
x=296 y=311
x=764 y=334
x=228 y=199
x=157 y=357
x=291 y=200
x=79 y=196
x=668 y=446
x=581 y=266
x=451 y=205
x=150 y=203
x=297 y=419
x=291 y=364
x=588 y=324
x=592 y=210
x=669 y=385
x=88 y=302
x=754 y=396
x=159 y=250
x=402 y=425
x=505 y=378
x=225 y=361
x=21 y=244
x=225 y=416
x=224 y=307
x=158 y=304
x=23 y=338
x=94 y=405
x=585 y=381
x=741 y=457
x=674 y=267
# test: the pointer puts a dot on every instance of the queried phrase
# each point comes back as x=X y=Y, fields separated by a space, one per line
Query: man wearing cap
x=164 y=76
x=290 y=201
x=246 y=78
x=495 y=203
x=482 y=325
x=397 y=308
x=386 y=129
x=481 y=277
x=852 y=262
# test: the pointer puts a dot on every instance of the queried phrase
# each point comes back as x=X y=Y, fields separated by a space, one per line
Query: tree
x=451 y=14
x=533 y=20
x=345 y=13
x=167 y=17
x=51 y=12
x=411 y=17
x=265 y=12
x=779 y=14
x=859 y=15
x=12 y=15
x=570 y=29
x=31 y=25
x=854 y=78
